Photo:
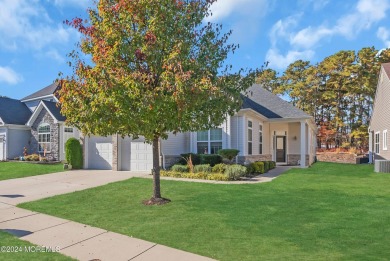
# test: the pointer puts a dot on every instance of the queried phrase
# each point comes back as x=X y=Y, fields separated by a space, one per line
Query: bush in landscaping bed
x=199 y=175
x=234 y=172
x=255 y=168
x=219 y=168
x=229 y=154
x=194 y=157
x=32 y=157
x=179 y=168
x=202 y=168
x=212 y=159
x=170 y=173
x=74 y=153
x=272 y=164
x=218 y=176
x=266 y=166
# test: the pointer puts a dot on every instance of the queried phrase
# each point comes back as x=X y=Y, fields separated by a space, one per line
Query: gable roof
x=13 y=111
x=51 y=108
x=270 y=105
x=386 y=68
x=48 y=90
x=54 y=110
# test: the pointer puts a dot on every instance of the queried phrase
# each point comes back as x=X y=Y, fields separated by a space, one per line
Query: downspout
x=162 y=154
x=237 y=140
x=5 y=155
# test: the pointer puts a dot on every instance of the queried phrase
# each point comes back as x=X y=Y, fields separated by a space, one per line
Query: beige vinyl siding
x=380 y=120
x=293 y=138
x=176 y=144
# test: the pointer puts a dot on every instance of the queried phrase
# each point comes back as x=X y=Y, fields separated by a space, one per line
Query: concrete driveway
x=15 y=191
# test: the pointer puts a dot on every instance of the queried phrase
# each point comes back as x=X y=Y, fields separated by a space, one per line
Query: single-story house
x=265 y=128
x=380 y=119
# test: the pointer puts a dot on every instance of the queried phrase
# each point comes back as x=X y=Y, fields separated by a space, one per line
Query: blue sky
x=34 y=41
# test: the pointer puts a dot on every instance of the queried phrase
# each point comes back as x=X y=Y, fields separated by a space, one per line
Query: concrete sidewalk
x=74 y=239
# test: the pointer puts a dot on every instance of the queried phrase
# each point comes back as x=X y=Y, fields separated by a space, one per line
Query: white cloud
x=243 y=17
x=55 y=55
x=280 y=61
x=25 y=23
x=80 y=3
x=225 y=8
x=9 y=76
x=366 y=13
x=309 y=36
x=384 y=35
x=282 y=28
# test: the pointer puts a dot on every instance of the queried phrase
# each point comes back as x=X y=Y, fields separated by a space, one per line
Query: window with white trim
x=376 y=142
x=68 y=133
x=44 y=138
x=260 y=139
x=385 y=140
x=210 y=141
x=250 y=137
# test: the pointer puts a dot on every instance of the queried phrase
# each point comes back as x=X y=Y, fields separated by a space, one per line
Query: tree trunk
x=156 y=168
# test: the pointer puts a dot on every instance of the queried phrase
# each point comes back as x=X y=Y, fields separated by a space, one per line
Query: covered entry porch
x=292 y=142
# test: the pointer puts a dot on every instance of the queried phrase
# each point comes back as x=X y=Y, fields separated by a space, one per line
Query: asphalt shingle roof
x=13 y=111
x=51 y=89
x=55 y=111
x=270 y=105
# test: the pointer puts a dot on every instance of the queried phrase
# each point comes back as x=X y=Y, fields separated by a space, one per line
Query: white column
x=303 y=144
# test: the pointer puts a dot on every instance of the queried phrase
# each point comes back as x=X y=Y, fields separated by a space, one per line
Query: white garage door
x=100 y=153
x=141 y=156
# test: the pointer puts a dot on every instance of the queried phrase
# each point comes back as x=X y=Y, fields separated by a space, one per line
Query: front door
x=280 y=148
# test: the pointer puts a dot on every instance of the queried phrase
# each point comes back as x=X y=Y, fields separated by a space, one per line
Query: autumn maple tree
x=150 y=67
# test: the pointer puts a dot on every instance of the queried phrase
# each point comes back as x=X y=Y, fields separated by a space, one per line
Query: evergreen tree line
x=338 y=92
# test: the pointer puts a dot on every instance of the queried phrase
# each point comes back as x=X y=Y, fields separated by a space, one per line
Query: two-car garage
x=133 y=155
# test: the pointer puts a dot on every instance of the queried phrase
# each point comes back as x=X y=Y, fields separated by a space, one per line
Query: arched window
x=44 y=144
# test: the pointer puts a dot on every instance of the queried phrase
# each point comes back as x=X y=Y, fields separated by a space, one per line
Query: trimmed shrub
x=219 y=168
x=202 y=168
x=255 y=168
x=260 y=167
x=194 y=157
x=272 y=164
x=266 y=166
x=218 y=177
x=74 y=153
x=179 y=168
x=199 y=175
x=212 y=159
x=234 y=172
x=173 y=174
x=229 y=154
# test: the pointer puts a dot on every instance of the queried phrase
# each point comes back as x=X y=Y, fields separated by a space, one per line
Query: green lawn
x=13 y=170
x=7 y=241
x=326 y=212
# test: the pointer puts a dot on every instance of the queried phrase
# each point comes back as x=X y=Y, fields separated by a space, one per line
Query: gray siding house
x=380 y=120
x=265 y=128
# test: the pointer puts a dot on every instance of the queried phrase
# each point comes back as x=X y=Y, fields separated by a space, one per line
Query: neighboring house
x=266 y=128
x=34 y=122
x=380 y=119
x=14 y=134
